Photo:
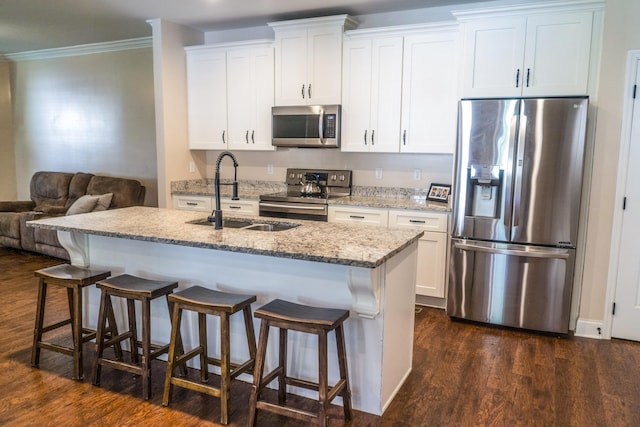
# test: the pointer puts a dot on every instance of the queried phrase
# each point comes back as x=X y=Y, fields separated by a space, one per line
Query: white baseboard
x=587 y=328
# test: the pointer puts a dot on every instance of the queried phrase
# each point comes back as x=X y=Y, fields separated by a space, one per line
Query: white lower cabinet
x=353 y=214
x=207 y=204
x=432 y=248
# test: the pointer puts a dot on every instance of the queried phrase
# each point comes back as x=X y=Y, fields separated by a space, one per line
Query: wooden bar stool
x=207 y=301
x=74 y=279
x=133 y=289
x=314 y=320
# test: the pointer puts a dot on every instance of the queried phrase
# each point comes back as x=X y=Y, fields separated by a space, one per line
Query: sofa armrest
x=17 y=206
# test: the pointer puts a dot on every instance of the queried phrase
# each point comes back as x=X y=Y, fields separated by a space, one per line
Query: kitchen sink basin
x=247 y=224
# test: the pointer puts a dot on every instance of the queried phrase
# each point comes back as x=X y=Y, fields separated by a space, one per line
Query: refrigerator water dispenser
x=485 y=183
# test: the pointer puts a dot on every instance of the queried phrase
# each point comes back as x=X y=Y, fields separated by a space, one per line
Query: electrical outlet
x=417 y=174
x=269 y=169
x=192 y=167
x=378 y=173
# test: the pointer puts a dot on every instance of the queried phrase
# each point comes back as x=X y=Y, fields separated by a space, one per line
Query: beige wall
x=621 y=34
x=91 y=113
x=8 y=189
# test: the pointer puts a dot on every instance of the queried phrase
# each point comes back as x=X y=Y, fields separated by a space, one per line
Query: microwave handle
x=321 y=126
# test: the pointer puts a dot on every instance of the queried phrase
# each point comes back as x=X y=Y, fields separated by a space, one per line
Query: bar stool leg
x=225 y=368
x=258 y=371
x=97 y=368
x=133 y=330
x=76 y=322
x=251 y=335
x=323 y=383
x=37 y=330
x=282 y=366
x=112 y=329
x=344 y=374
x=146 y=348
x=179 y=346
x=204 y=348
x=171 y=357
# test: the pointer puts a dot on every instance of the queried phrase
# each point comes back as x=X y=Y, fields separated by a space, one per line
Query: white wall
x=8 y=189
x=621 y=34
x=89 y=113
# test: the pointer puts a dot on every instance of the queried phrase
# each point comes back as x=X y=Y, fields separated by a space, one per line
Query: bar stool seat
x=314 y=320
x=74 y=279
x=132 y=289
x=222 y=304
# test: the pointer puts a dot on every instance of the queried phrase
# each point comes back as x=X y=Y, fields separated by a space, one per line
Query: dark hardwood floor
x=463 y=374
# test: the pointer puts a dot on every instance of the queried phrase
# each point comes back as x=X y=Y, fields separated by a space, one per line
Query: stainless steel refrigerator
x=518 y=181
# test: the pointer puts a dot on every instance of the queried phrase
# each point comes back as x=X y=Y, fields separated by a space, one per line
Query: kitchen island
x=367 y=270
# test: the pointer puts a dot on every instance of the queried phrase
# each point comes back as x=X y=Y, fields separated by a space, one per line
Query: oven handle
x=279 y=205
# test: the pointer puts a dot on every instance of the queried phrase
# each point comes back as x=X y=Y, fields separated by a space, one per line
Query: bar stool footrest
x=196 y=386
x=298 y=414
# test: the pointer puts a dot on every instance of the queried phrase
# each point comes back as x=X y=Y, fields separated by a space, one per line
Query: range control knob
x=334 y=177
x=342 y=178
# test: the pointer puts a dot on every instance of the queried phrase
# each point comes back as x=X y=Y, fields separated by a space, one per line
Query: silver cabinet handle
x=308 y=208
x=373 y=132
x=246 y=137
x=235 y=207
x=302 y=91
x=417 y=221
x=356 y=216
x=404 y=137
x=253 y=141
x=518 y=78
x=309 y=90
x=528 y=73
x=223 y=141
x=365 y=137
x=192 y=204
x=546 y=253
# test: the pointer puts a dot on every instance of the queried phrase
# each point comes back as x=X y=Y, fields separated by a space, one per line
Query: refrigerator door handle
x=508 y=186
x=537 y=253
x=517 y=190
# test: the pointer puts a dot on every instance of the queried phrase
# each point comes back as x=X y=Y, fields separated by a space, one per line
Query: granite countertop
x=368 y=197
x=344 y=244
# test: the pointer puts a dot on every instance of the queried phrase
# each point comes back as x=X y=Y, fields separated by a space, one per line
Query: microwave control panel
x=330 y=126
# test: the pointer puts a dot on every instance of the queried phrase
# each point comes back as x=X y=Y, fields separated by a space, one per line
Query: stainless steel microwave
x=306 y=126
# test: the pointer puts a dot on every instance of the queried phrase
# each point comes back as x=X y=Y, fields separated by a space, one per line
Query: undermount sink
x=246 y=224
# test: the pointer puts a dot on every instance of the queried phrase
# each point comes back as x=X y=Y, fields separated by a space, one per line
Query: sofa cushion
x=89 y=203
x=78 y=187
x=50 y=191
x=126 y=192
x=10 y=229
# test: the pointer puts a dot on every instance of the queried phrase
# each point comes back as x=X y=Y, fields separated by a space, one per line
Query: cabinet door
x=430 y=93
x=240 y=96
x=556 y=60
x=356 y=95
x=358 y=215
x=291 y=67
x=493 y=55
x=430 y=277
x=250 y=93
x=386 y=94
x=324 y=66
x=207 y=99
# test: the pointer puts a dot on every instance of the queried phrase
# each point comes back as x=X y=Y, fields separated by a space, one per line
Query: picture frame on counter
x=439 y=192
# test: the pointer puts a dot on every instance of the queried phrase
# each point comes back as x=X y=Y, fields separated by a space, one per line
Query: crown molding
x=85 y=49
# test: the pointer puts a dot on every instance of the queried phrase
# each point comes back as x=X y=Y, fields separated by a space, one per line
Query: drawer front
x=248 y=207
x=429 y=221
x=359 y=215
x=193 y=203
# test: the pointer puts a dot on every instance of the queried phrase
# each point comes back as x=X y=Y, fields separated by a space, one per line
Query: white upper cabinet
x=230 y=94
x=371 y=95
x=308 y=60
x=250 y=97
x=430 y=92
x=400 y=89
x=207 y=98
x=533 y=54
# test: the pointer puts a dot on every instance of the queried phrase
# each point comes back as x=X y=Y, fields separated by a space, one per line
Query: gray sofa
x=61 y=193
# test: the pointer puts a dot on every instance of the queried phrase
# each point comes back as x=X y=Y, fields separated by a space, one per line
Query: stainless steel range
x=307 y=195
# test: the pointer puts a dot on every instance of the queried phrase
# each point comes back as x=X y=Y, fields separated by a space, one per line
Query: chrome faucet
x=216 y=216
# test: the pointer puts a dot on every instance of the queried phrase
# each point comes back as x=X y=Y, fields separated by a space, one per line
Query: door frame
x=633 y=67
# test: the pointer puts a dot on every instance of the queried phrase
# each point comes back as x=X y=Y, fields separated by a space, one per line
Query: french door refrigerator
x=518 y=183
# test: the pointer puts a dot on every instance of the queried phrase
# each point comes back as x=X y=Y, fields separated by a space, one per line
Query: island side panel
x=268 y=278
x=399 y=316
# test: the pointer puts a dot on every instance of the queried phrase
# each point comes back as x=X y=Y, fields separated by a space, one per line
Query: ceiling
x=27 y=25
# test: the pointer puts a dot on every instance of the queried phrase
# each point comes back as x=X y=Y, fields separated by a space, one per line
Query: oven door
x=310 y=211
x=306 y=126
